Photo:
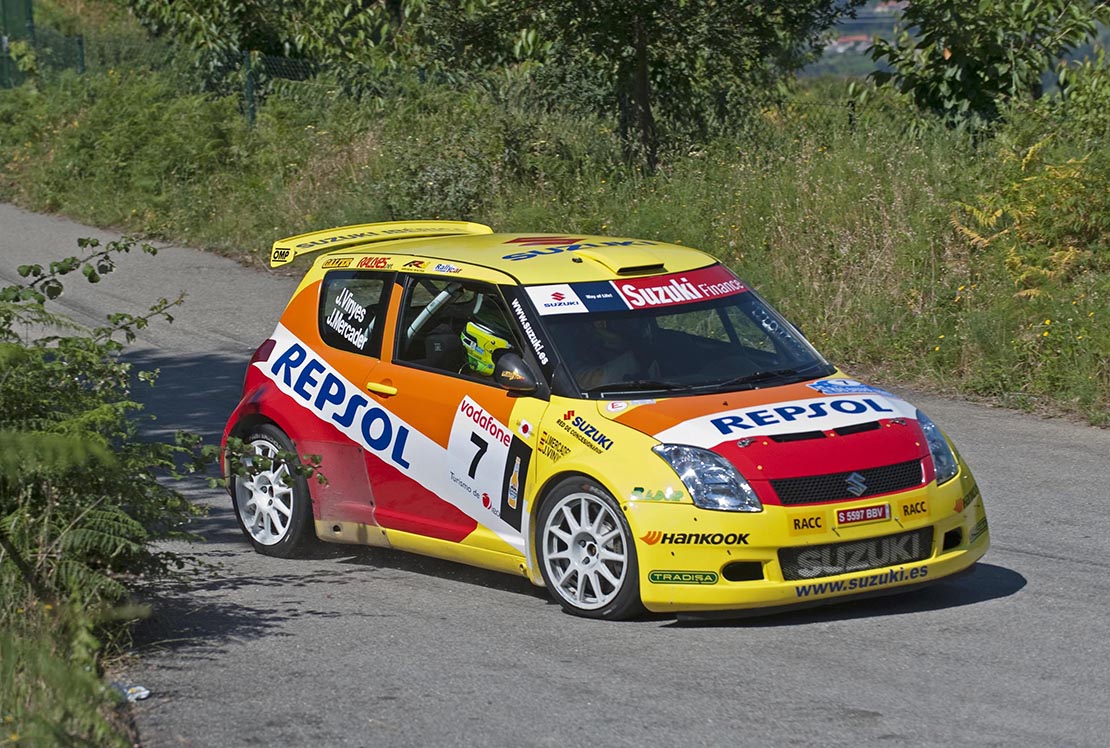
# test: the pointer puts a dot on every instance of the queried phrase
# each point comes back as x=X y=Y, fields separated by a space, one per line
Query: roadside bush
x=81 y=500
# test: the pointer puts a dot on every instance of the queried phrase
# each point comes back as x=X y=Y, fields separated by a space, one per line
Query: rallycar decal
x=674 y=289
x=815 y=414
x=321 y=390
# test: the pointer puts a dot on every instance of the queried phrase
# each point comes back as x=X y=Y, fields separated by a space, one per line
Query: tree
x=693 y=65
x=965 y=61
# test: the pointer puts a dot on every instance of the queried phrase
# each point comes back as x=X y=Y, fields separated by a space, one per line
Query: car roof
x=456 y=246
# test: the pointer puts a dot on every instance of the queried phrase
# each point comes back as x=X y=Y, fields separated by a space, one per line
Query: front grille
x=835 y=486
x=815 y=561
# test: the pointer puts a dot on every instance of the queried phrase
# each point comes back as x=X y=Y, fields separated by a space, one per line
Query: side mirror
x=511 y=373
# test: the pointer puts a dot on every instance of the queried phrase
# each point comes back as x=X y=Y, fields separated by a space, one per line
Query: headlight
x=944 y=461
x=712 y=481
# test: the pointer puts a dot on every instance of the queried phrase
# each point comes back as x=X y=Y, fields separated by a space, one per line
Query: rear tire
x=272 y=505
x=586 y=552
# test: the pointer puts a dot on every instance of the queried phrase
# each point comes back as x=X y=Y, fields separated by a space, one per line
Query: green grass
x=849 y=227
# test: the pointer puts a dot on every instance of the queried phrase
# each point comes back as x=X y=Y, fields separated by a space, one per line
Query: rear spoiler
x=286 y=250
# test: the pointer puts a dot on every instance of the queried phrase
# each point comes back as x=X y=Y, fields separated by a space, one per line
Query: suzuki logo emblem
x=856 y=486
x=558 y=296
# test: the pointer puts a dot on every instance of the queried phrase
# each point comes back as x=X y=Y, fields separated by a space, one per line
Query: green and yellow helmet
x=481 y=341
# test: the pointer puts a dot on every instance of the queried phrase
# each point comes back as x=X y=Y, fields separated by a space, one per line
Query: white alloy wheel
x=265 y=501
x=271 y=501
x=586 y=552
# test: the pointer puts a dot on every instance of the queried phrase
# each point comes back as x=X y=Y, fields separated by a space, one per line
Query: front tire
x=272 y=503
x=586 y=552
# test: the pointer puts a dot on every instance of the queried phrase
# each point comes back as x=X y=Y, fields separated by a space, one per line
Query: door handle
x=381 y=389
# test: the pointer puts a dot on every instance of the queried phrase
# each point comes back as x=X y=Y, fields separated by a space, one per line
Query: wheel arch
x=534 y=510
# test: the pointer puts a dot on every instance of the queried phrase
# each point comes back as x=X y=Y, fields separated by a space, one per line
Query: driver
x=608 y=347
x=484 y=344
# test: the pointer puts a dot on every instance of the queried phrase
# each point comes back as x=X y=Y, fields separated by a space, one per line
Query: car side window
x=454 y=326
x=351 y=302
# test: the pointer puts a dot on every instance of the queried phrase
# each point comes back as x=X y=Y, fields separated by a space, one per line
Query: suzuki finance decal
x=787 y=417
x=679 y=288
x=314 y=385
x=642 y=293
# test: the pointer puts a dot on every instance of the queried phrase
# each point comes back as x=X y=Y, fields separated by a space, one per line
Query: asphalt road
x=365 y=647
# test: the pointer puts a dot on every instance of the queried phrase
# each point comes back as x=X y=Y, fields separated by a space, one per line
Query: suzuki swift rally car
x=625 y=422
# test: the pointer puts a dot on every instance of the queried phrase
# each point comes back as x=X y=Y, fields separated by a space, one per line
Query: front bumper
x=737 y=567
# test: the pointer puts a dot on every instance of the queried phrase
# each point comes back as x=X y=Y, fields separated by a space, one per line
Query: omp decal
x=845 y=387
x=787 y=417
x=537 y=344
x=653 y=537
x=679 y=288
x=873 y=513
x=658 y=576
x=555 y=299
x=894 y=576
x=313 y=384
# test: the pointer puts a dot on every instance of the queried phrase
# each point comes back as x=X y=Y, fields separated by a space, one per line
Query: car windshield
x=717 y=343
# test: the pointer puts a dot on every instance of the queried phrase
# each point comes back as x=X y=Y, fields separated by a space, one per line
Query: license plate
x=873 y=513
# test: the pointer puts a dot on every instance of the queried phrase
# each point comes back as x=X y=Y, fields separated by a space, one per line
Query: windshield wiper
x=753 y=380
x=633 y=385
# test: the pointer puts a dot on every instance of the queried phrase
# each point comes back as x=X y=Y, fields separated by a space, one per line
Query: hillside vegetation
x=912 y=250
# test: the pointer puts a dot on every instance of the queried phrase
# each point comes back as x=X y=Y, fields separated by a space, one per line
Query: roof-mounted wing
x=286 y=250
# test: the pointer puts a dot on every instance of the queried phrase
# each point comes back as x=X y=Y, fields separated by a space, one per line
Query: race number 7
x=482 y=446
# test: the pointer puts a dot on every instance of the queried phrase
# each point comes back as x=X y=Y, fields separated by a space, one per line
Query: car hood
x=831 y=425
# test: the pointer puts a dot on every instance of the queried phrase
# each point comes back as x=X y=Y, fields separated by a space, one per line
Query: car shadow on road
x=983 y=582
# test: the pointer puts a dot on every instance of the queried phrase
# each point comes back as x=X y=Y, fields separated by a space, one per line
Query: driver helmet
x=481 y=342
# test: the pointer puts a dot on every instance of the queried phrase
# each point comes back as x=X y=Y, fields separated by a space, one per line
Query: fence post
x=79 y=41
x=248 y=87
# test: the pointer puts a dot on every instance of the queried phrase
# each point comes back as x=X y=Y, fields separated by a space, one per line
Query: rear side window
x=352 y=304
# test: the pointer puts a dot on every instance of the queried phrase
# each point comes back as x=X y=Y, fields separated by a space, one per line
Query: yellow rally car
x=623 y=421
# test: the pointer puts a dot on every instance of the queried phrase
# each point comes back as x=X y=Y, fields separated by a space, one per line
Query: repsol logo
x=755 y=417
x=654 y=537
x=330 y=399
